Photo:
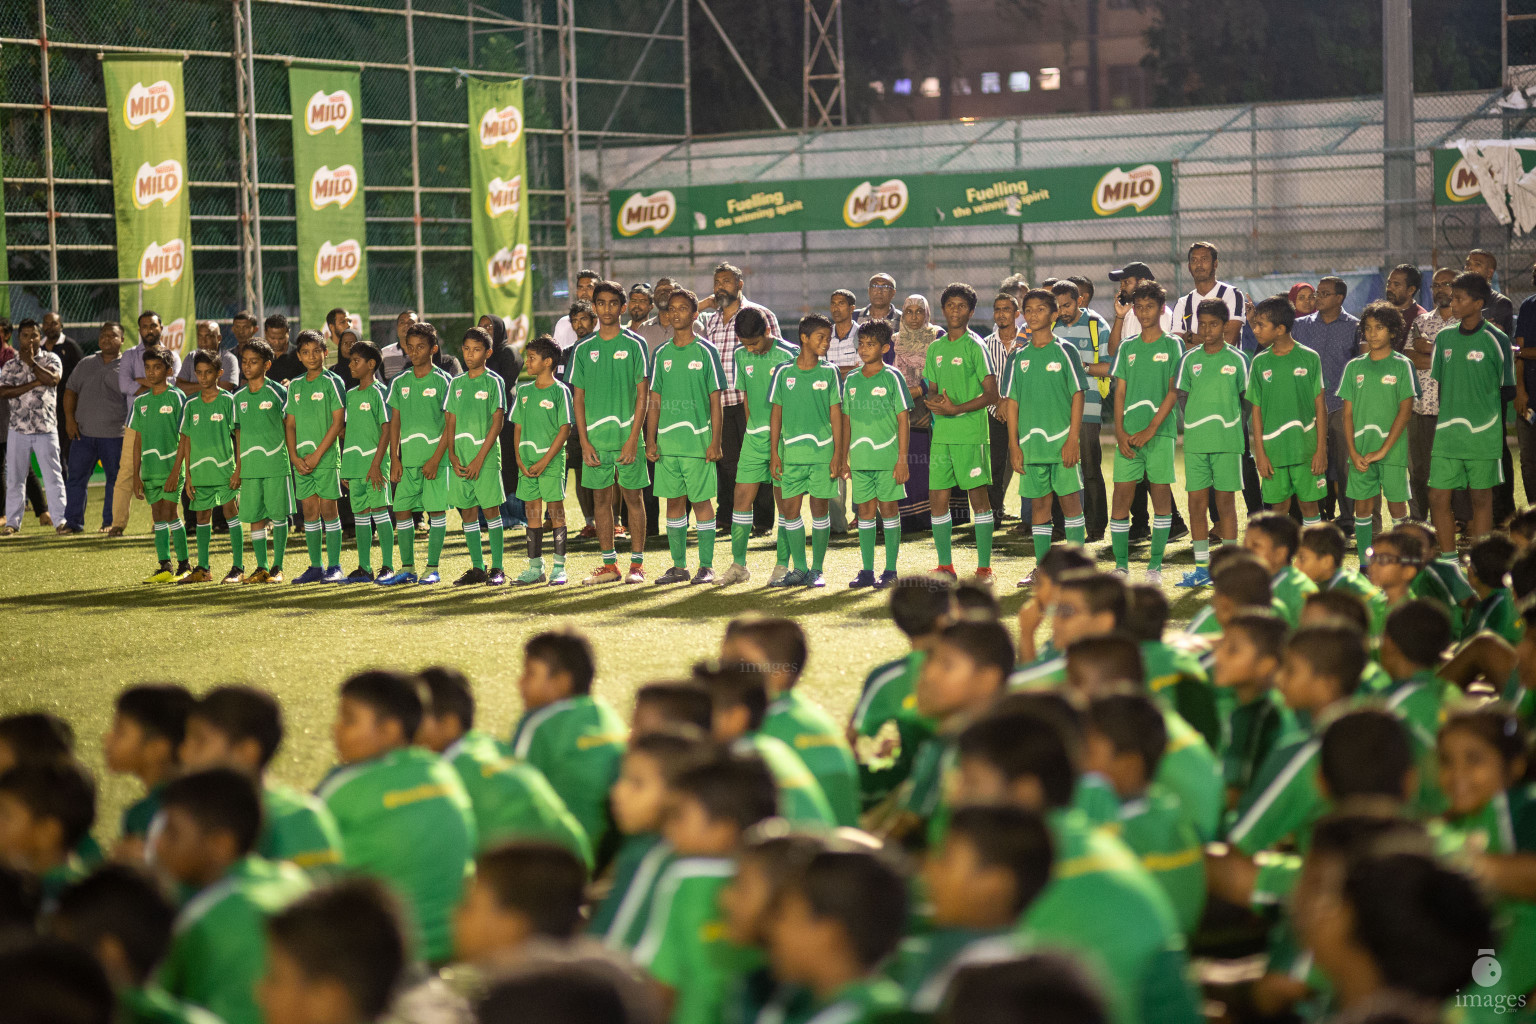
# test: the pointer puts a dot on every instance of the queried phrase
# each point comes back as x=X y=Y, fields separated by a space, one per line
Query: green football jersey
x=1419 y=701
x=1043 y=380
x=263 y=437
x=683 y=377
x=138 y=815
x=872 y=405
x=209 y=428
x=419 y=402
x=810 y=732
x=1352 y=582
x=1189 y=770
x=926 y=963
x=754 y=375
x=539 y=414
x=888 y=728
x=1507 y=825
x=1438 y=586
x=620 y=917
x=1282 y=800
x=802 y=801
x=1146 y=370
x=1213 y=384
x=298 y=828
x=219 y=945
x=313 y=404
x=608 y=373
x=1177 y=679
x=512 y=799
x=684 y=937
x=1253 y=731
x=155 y=1006
x=405 y=817
x=1285 y=388
x=1290 y=587
x=157 y=418
x=367 y=413
x=1471 y=368
x=957 y=367
x=871 y=1000
x=1374 y=388
x=1159 y=830
x=1497 y=614
x=577 y=743
x=474 y=402
x=807 y=398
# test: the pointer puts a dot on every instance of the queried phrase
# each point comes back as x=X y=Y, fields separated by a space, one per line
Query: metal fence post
x=53 y=214
x=410 y=83
x=250 y=85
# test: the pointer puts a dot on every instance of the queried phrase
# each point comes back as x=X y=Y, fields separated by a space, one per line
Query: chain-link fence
x=594 y=74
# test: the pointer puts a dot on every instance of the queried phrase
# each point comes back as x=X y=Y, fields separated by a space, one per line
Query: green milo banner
x=328 y=194
x=147 y=123
x=916 y=201
x=1455 y=181
x=498 y=167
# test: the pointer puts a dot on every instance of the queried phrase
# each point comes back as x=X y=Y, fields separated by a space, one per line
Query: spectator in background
x=640 y=309
x=1499 y=311
x=208 y=338
x=565 y=335
x=1402 y=290
x=720 y=331
x=285 y=362
x=343 y=365
x=1126 y=326
x=394 y=353
x=7 y=353
x=1525 y=380
x=912 y=341
x=1087 y=331
x=1334 y=335
x=94 y=416
x=1000 y=345
x=1202 y=271
x=1304 y=297
x=1016 y=285
x=1426 y=408
x=336 y=321
x=28 y=381
x=843 y=353
x=131 y=382
x=882 y=303
x=70 y=353
x=242 y=328
x=33 y=491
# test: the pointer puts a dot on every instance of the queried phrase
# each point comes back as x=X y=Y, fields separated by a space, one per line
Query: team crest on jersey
x=243 y=407
x=544 y=403
x=1300 y=371
x=1023 y=365
x=666 y=364
x=695 y=365
x=1359 y=378
x=750 y=368
x=819 y=385
x=878 y=392
x=1475 y=356
x=594 y=355
x=197 y=418
x=1230 y=371
x=1269 y=374
x=1195 y=368
x=405 y=392
x=1390 y=378
x=1053 y=367
x=789 y=382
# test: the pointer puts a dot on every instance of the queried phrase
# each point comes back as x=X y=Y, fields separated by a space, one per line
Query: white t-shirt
x=1130 y=327
x=1186 y=306
x=565 y=334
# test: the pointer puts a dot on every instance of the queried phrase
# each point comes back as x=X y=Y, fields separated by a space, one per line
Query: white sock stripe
x=983 y=517
x=494 y=524
x=473 y=526
x=311 y=526
x=383 y=518
x=794 y=524
x=706 y=525
x=1078 y=521
x=1362 y=520
x=892 y=524
x=1162 y=520
x=744 y=518
x=943 y=520
x=332 y=524
x=678 y=524
x=162 y=526
x=258 y=535
x=610 y=554
x=866 y=524
x=177 y=524
x=821 y=524
x=436 y=521
x=235 y=524
x=1119 y=526
x=1045 y=528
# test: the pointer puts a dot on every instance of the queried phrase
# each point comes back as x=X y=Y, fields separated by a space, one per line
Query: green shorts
x=813 y=478
x=1040 y=479
x=633 y=477
x=1221 y=470
x=366 y=497
x=1378 y=478
x=266 y=497
x=484 y=491
x=1154 y=462
x=154 y=489
x=416 y=493
x=966 y=466
x=876 y=485
x=1448 y=474
x=210 y=496
x=752 y=467
x=1298 y=480
x=682 y=476
x=322 y=483
x=547 y=486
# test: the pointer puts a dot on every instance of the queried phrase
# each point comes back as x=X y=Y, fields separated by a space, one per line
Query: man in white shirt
x=393 y=354
x=565 y=334
x=1202 y=270
x=843 y=353
x=1126 y=326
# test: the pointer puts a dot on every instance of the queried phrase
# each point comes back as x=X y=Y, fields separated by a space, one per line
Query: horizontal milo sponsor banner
x=914 y=201
x=1456 y=182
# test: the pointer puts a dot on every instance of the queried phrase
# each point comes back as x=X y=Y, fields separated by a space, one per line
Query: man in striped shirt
x=1202 y=270
x=1088 y=332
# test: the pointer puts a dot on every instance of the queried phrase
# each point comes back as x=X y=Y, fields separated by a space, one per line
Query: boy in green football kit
x=1043 y=394
x=876 y=409
x=806 y=446
x=683 y=440
x=609 y=375
x=959 y=369
x=1378 y=389
x=542 y=414
x=419 y=442
x=1290 y=418
x=156 y=418
x=1145 y=425
x=757 y=356
x=473 y=419
x=312 y=419
x=209 y=438
x=363 y=469
x=1213 y=378
x=1475 y=368
x=266 y=480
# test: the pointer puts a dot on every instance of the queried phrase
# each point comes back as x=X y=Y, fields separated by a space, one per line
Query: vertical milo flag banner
x=498 y=169
x=328 y=194
x=147 y=119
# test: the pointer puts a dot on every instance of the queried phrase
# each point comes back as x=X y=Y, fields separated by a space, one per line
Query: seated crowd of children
x=1325 y=781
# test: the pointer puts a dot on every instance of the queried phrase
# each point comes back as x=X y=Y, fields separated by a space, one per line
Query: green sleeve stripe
x=1272 y=792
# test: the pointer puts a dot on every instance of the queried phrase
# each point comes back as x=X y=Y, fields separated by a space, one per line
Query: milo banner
x=147 y=119
x=328 y=194
x=1455 y=181
x=918 y=201
x=498 y=166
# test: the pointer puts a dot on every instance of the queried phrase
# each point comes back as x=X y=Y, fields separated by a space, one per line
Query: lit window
x=930 y=88
x=1050 y=78
x=991 y=81
x=960 y=87
x=1018 y=81
x=903 y=87
x=878 y=88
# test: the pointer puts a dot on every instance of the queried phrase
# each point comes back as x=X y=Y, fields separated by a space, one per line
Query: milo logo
x=507 y=266
x=157 y=183
x=160 y=263
x=868 y=203
x=145 y=103
x=327 y=186
x=173 y=336
x=338 y=262
x=323 y=111
x=503 y=126
x=1138 y=188
x=1461 y=183
x=504 y=196
x=641 y=211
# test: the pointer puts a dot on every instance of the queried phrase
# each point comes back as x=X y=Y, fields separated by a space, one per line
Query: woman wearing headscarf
x=343 y=368
x=508 y=365
x=911 y=351
x=1304 y=298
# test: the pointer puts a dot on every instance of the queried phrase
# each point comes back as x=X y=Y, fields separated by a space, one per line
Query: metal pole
x=1397 y=138
x=243 y=192
x=805 y=71
x=842 y=69
x=53 y=234
x=751 y=78
x=250 y=84
x=688 y=125
x=410 y=80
